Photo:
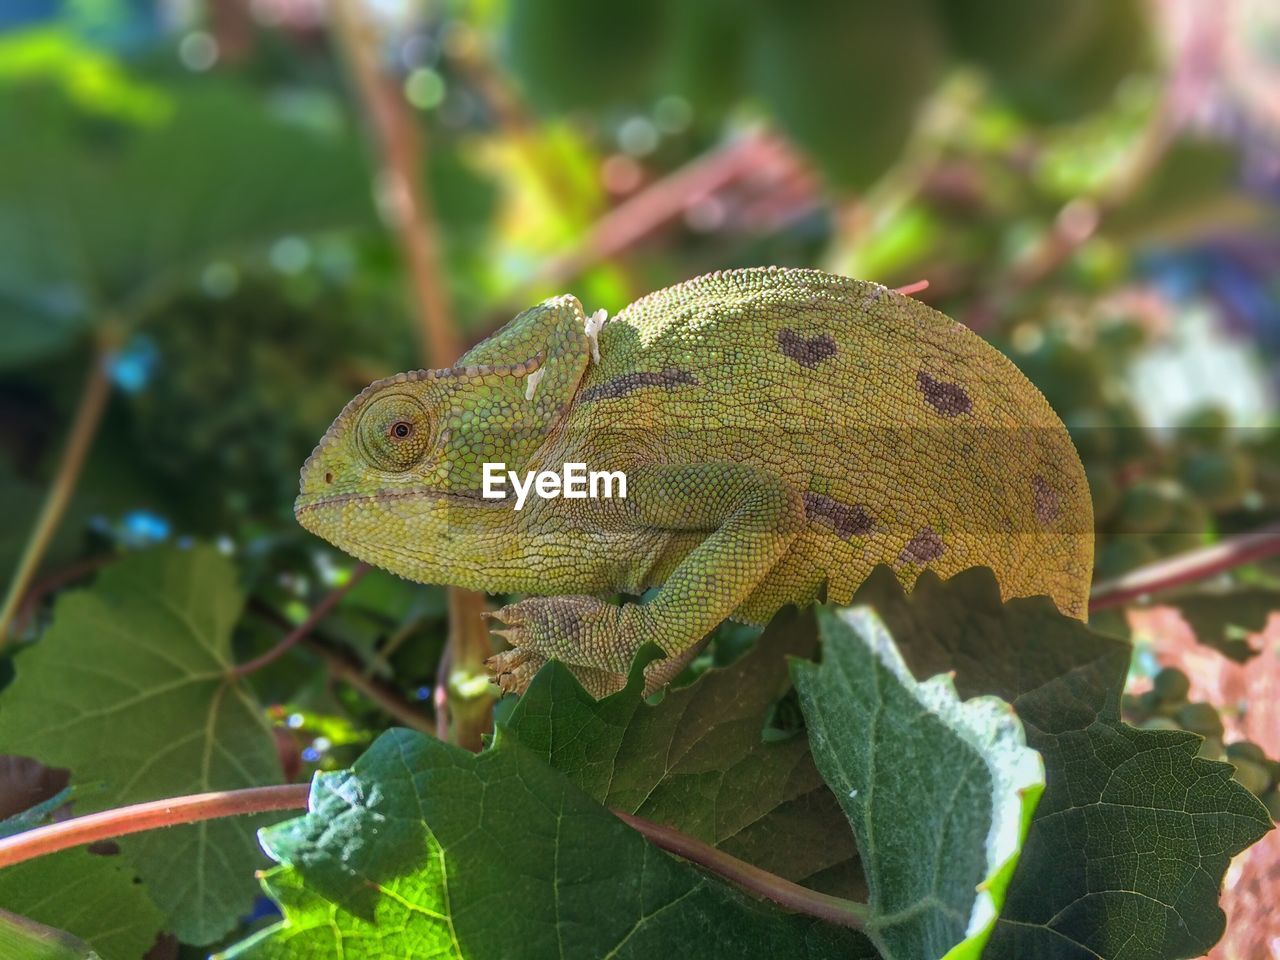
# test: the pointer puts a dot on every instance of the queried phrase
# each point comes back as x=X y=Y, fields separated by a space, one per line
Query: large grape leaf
x=1223 y=619
x=939 y=792
x=1130 y=841
x=94 y=897
x=1053 y=60
x=426 y=850
x=23 y=939
x=698 y=762
x=130 y=690
x=99 y=218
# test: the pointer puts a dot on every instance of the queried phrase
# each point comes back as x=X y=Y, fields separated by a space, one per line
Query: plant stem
x=641 y=215
x=154 y=814
x=84 y=425
x=123 y=821
x=468 y=714
x=401 y=166
x=56 y=581
x=786 y=894
x=1187 y=568
x=294 y=636
x=353 y=674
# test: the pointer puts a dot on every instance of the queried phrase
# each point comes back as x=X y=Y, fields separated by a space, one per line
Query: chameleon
x=781 y=431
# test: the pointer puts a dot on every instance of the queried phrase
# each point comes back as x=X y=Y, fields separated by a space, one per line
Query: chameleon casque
x=782 y=432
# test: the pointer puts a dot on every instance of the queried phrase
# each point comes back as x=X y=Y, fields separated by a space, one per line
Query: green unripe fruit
x=1272 y=803
x=1200 y=718
x=1218 y=477
x=1211 y=749
x=1131 y=705
x=1205 y=426
x=1132 y=440
x=1171 y=685
x=1159 y=723
x=1252 y=777
x=1092 y=432
x=1104 y=491
x=1250 y=751
x=1186 y=528
x=1123 y=554
x=1147 y=507
x=1153 y=705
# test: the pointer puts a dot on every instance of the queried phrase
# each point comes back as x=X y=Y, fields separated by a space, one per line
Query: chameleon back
x=912 y=441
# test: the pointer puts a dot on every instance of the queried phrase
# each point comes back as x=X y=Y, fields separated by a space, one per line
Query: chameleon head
x=395 y=480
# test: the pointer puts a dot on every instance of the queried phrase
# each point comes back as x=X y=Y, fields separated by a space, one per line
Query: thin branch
x=353 y=674
x=294 y=636
x=791 y=896
x=123 y=821
x=387 y=699
x=402 y=165
x=641 y=215
x=56 y=581
x=1188 y=567
x=84 y=426
x=911 y=289
x=1081 y=218
x=154 y=814
x=401 y=160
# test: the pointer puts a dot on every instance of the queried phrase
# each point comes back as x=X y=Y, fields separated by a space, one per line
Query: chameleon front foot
x=587 y=635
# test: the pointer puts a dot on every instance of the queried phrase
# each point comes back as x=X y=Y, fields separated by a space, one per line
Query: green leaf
x=1129 y=844
x=1192 y=191
x=1222 y=619
x=833 y=84
x=1053 y=60
x=569 y=54
x=426 y=850
x=697 y=761
x=93 y=897
x=23 y=939
x=102 y=219
x=130 y=690
x=939 y=793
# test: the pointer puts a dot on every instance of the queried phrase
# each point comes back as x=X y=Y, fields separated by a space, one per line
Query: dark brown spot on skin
x=1047 y=504
x=668 y=379
x=846 y=520
x=328 y=478
x=923 y=547
x=949 y=399
x=103 y=848
x=807 y=351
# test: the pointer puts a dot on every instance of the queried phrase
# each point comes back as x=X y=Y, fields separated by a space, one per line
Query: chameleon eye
x=394 y=432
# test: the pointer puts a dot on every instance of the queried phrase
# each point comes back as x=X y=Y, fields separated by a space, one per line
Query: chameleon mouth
x=307 y=502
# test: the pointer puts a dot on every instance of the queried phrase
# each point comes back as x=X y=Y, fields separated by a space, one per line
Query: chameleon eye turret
x=394 y=432
x=782 y=432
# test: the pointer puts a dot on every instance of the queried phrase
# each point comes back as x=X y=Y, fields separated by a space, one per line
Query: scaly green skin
x=781 y=431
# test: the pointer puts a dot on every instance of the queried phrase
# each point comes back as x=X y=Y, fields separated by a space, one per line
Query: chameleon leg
x=751 y=517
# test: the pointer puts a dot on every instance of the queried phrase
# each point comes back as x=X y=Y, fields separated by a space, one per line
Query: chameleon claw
x=512 y=670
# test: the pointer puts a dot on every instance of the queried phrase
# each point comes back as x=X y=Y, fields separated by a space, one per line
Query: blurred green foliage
x=194 y=202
